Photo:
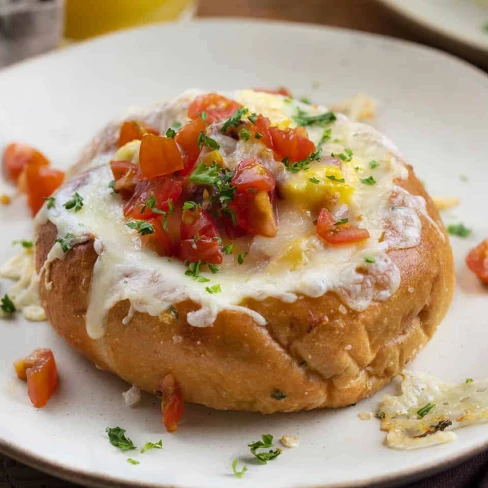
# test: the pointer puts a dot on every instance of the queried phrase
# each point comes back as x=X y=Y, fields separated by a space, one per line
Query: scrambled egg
x=429 y=409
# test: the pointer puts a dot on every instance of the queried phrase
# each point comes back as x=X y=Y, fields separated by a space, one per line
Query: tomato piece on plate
x=41 y=182
x=255 y=213
x=17 y=156
x=232 y=229
x=172 y=403
x=334 y=233
x=251 y=173
x=187 y=140
x=151 y=197
x=200 y=238
x=40 y=371
x=159 y=156
x=159 y=240
x=132 y=130
x=277 y=91
x=260 y=131
x=293 y=144
x=217 y=107
x=126 y=176
x=477 y=261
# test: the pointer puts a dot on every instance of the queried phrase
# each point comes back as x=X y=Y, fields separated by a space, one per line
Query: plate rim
x=397 y=8
x=105 y=480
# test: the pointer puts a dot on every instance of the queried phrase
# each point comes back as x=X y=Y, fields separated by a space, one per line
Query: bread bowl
x=340 y=270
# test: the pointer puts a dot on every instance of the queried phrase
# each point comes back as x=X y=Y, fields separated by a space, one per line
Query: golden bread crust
x=316 y=351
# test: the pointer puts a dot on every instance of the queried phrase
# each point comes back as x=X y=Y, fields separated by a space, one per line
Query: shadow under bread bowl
x=303 y=323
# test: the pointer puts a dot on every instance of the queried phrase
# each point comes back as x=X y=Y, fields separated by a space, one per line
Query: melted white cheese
x=125 y=271
x=454 y=406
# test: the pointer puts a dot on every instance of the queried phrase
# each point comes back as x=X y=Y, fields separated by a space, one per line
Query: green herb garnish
x=278 y=395
x=51 y=202
x=228 y=249
x=7 y=305
x=142 y=226
x=245 y=135
x=205 y=175
x=240 y=257
x=204 y=116
x=25 y=244
x=373 y=164
x=194 y=271
x=75 y=203
x=213 y=289
x=118 y=439
x=346 y=156
x=368 y=181
x=380 y=415
x=176 y=125
x=152 y=445
x=306 y=100
x=469 y=380
x=304 y=164
x=203 y=140
x=325 y=137
x=304 y=119
x=235 y=119
x=265 y=443
x=425 y=410
x=459 y=230
x=239 y=474
x=65 y=242
x=342 y=221
x=189 y=205
x=333 y=178
x=252 y=118
x=112 y=186
x=132 y=461
x=314 y=180
x=170 y=133
x=370 y=259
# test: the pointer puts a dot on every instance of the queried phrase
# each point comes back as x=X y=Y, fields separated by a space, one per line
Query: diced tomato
x=251 y=173
x=132 y=130
x=233 y=231
x=159 y=156
x=293 y=144
x=216 y=107
x=163 y=189
x=255 y=213
x=172 y=403
x=41 y=182
x=200 y=238
x=40 y=371
x=277 y=91
x=187 y=139
x=17 y=156
x=340 y=233
x=126 y=176
x=477 y=261
x=160 y=241
x=260 y=131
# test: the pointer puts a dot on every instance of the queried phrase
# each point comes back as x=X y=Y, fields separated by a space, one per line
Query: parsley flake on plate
x=346 y=156
x=314 y=180
x=459 y=230
x=205 y=175
x=422 y=412
x=117 y=438
x=304 y=164
x=327 y=134
x=333 y=178
x=235 y=119
x=370 y=259
x=244 y=135
x=76 y=203
x=133 y=461
x=342 y=221
x=171 y=133
x=152 y=445
x=194 y=271
x=373 y=164
x=264 y=456
x=238 y=473
x=213 y=289
x=228 y=249
x=189 y=205
x=51 y=202
x=240 y=257
x=7 y=305
x=469 y=380
x=142 y=226
x=368 y=181
x=214 y=268
x=25 y=244
x=65 y=242
x=303 y=119
x=204 y=140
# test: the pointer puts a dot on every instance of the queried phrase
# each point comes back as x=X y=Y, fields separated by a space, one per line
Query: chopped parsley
x=252 y=118
x=204 y=140
x=152 y=445
x=238 y=473
x=112 y=186
x=214 y=268
x=380 y=415
x=265 y=443
x=306 y=100
x=463 y=178
x=51 y=202
x=368 y=181
x=176 y=125
x=118 y=439
x=469 y=380
x=304 y=119
x=304 y=164
x=65 y=242
x=346 y=156
x=342 y=221
x=278 y=395
x=213 y=289
x=76 y=203
x=25 y=244
x=194 y=271
x=204 y=116
x=142 y=226
x=205 y=175
x=133 y=461
x=459 y=230
x=170 y=133
x=189 y=205
x=373 y=164
x=258 y=135
x=228 y=249
x=370 y=259
x=441 y=426
x=7 y=305
x=314 y=180
x=422 y=412
x=333 y=178
x=234 y=120
x=240 y=257
x=325 y=137
x=244 y=135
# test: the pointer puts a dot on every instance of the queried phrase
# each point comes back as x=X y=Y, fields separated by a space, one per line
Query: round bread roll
x=294 y=317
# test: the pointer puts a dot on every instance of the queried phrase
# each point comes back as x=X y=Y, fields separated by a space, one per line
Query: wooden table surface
x=365 y=15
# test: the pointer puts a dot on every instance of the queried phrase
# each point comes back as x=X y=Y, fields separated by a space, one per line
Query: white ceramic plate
x=462 y=23
x=431 y=104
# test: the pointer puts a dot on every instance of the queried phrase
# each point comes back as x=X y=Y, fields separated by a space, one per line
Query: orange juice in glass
x=88 y=18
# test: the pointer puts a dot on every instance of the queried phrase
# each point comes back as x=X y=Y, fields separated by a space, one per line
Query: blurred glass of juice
x=88 y=18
